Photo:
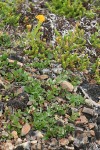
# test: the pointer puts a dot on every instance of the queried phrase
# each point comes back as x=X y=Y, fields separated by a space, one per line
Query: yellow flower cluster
x=41 y=18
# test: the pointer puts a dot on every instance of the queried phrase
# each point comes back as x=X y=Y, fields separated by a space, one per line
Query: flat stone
x=67 y=85
x=43 y=77
x=25 y=129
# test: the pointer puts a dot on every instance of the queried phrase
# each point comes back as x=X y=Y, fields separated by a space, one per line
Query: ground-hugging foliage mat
x=49 y=70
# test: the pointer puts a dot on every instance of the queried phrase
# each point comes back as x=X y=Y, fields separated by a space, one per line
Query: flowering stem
x=36 y=29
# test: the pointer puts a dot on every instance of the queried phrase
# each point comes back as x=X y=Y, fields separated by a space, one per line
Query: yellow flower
x=41 y=18
x=29 y=26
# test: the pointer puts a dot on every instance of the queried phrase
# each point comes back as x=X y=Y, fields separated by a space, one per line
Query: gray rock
x=89 y=111
x=45 y=71
x=57 y=70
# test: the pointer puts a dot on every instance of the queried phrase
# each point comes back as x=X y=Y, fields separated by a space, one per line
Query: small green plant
x=59 y=132
x=15 y=74
x=68 y=49
x=96 y=70
x=5 y=40
x=68 y=75
x=45 y=121
x=8 y=13
x=40 y=64
x=75 y=99
x=33 y=87
x=16 y=120
x=95 y=40
x=52 y=90
x=70 y=8
x=5 y=65
x=74 y=116
x=18 y=75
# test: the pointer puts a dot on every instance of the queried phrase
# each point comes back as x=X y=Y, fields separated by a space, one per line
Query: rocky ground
x=82 y=119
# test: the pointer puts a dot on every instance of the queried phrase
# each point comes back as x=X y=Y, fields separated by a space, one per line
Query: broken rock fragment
x=25 y=129
x=88 y=111
x=81 y=120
